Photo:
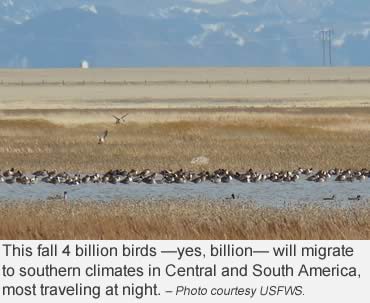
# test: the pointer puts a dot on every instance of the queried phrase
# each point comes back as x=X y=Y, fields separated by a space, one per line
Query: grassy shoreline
x=198 y=220
x=167 y=139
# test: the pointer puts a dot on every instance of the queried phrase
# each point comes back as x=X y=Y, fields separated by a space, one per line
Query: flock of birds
x=219 y=176
x=118 y=176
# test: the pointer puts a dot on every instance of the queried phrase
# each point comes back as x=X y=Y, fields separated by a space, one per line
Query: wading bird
x=101 y=139
x=120 y=120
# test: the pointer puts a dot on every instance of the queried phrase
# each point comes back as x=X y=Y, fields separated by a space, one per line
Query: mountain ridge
x=180 y=33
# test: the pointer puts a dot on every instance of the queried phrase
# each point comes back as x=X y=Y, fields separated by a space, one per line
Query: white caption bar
x=180 y=271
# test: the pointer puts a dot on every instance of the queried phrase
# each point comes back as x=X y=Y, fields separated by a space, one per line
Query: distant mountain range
x=48 y=33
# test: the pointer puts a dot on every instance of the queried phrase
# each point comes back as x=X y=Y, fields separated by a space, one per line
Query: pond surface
x=264 y=193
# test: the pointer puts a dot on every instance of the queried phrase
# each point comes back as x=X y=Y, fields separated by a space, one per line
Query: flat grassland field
x=239 y=118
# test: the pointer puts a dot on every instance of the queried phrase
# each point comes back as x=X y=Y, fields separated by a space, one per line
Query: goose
x=73 y=182
x=226 y=179
x=197 y=180
x=145 y=173
x=180 y=180
x=330 y=199
x=86 y=179
x=9 y=172
x=101 y=139
x=52 y=173
x=361 y=177
x=358 y=198
x=120 y=120
x=320 y=180
x=40 y=173
x=312 y=178
x=114 y=180
x=169 y=179
x=245 y=179
x=34 y=180
x=341 y=178
x=149 y=180
x=216 y=179
x=232 y=197
x=11 y=180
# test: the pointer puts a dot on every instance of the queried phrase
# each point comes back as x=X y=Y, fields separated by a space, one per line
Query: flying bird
x=101 y=139
x=120 y=120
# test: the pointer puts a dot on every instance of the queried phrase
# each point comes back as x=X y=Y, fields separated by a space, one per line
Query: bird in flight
x=101 y=139
x=120 y=120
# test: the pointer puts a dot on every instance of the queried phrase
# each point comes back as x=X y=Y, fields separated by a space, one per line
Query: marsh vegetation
x=180 y=220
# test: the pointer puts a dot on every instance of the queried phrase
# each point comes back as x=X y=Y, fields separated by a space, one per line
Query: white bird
x=120 y=120
x=101 y=139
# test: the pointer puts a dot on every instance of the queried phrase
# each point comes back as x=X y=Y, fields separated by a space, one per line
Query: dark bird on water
x=232 y=197
x=358 y=198
x=332 y=198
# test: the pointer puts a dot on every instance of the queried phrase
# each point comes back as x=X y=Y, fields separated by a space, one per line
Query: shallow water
x=265 y=193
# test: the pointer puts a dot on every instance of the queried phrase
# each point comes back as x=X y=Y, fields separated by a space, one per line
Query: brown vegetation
x=160 y=139
x=179 y=220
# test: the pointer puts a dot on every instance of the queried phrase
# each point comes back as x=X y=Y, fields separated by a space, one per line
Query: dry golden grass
x=185 y=74
x=158 y=139
x=179 y=220
x=183 y=87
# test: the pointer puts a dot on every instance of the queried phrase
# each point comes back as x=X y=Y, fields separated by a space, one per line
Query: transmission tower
x=326 y=37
